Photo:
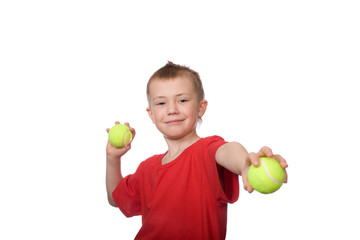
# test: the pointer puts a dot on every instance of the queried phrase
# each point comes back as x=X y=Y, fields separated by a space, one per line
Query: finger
x=281 y=160
x=283 y=164
x=127 y=146
x=247 y=186
x=117 y=122
x=133 y=132
x=253 y=158
x=265 y=152
x=108 y=130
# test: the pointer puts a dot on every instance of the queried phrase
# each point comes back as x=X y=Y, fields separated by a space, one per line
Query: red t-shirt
x=184 y=199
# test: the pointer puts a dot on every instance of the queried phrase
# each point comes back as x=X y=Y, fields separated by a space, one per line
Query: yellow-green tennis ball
x=119 y=135
x=267 y=177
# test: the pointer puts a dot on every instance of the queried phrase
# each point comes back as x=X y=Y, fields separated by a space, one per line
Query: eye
x=160 y=103
x=183 y=100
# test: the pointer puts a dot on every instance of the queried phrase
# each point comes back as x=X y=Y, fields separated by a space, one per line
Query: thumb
x=246 y=183
x=127 y=147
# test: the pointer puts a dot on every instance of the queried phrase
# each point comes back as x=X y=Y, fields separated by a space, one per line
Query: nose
x=172 y=108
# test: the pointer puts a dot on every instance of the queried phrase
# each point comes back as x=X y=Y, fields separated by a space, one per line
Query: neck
x=177 y=146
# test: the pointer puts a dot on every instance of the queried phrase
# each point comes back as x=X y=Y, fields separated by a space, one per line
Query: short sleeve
x=126 y=195
x=227 y=183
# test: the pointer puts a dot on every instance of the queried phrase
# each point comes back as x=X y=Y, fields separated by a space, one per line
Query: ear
x=202 y=108
x=150 y=114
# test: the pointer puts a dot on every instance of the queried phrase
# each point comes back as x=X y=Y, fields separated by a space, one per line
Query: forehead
x=171 y=87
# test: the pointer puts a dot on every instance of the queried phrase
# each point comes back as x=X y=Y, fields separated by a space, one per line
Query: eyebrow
x=177 y=95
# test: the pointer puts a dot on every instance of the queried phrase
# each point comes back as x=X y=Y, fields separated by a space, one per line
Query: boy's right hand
x=114 y=152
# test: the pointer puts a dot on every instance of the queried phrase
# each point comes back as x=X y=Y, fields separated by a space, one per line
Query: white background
x=276 y=73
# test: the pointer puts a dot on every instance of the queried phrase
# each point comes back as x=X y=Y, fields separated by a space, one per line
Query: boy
x=183 y=193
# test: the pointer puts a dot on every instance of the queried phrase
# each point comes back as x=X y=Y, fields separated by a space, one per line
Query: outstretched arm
x=234 y=157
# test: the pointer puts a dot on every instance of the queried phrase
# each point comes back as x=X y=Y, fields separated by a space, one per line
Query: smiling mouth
x=174 y=121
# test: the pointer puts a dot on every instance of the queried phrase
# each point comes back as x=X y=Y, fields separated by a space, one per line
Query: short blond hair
x=172 y=71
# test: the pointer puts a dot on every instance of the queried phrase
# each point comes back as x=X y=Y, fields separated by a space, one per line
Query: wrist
x=113 y=160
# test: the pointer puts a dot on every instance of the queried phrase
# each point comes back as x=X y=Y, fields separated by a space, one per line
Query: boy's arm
x=113 y=165
x=113 y=176
x=234 y=157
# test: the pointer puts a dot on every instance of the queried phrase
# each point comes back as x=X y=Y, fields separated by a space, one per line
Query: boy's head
x=176 y=100
x=171 y=71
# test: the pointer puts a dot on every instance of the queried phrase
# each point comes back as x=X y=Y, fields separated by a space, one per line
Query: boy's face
x=174 y=107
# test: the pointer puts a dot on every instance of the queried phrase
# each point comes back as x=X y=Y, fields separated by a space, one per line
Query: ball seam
x=269 y=175
x=123 y=142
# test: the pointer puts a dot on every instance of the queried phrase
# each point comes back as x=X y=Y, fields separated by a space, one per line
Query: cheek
x=158 y=114
x=193 y=111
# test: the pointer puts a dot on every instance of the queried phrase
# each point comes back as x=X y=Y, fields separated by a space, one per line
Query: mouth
x=177 y=121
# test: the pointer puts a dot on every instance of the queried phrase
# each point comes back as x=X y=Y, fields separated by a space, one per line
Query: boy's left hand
x=253 y=158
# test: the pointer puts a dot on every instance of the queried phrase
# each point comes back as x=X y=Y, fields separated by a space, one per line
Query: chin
x=175 y=136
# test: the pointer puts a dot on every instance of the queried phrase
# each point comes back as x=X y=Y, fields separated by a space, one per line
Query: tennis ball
x=267 y=177
x=119 y=135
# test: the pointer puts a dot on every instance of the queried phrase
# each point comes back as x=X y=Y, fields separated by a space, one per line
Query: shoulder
x=151 y=161
x=212 y=143
x=155 y=157
x=213 y=138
